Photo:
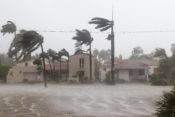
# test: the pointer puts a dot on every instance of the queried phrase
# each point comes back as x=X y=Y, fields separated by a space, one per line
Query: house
x=24 y=71
x=138 y=69
x=79 y=68
x=59 y=67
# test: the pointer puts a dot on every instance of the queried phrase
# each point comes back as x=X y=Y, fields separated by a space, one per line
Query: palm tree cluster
x=23 y=44
x=52 y=57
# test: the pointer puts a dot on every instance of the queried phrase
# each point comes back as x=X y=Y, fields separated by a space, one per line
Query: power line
x=123 y=32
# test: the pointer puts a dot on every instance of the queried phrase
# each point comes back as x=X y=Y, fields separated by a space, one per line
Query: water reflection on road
x=95 y=100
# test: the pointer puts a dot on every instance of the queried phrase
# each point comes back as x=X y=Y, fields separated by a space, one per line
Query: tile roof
x=136 y=64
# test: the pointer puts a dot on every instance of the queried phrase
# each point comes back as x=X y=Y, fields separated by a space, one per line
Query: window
x=141 y=72
x=26 y=64
x=130 y=72
x=81 y=62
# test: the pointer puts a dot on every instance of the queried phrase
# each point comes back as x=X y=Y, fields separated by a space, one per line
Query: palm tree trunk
x=50 y=68
x=112 y=54
x=67 y=72
x=54 y=70
x=44 y=69
x=60 y=68
x=90 y=60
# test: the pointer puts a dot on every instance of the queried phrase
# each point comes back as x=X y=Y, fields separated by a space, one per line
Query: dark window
x=142 y=72
x=81 y=62
x=130 y=72
x=26 y=64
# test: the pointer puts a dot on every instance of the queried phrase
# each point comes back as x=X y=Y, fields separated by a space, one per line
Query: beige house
x=134 y=70
x=79 y=62
x=24 y=71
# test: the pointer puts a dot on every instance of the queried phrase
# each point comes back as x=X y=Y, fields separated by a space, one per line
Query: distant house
x=59 y=67
x=79 y=63
x=133 y=70
x=24 y=71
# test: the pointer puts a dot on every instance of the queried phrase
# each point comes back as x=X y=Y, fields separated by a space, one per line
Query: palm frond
x=10 y=27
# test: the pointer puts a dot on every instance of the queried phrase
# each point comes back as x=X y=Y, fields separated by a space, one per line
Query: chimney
x=120 y=59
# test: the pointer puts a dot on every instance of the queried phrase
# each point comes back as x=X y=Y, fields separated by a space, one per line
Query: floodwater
x=96 y=100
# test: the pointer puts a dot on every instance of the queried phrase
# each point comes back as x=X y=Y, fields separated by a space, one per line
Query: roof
x=81 y=52
x=57 y=66
x=136 y=64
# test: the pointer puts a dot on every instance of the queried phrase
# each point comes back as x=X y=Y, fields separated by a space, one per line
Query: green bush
x=157 y=80
x=166 y=105
x=4 y=71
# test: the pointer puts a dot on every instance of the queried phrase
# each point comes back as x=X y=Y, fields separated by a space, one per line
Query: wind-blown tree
x=173 y=48
x=52 y=56
x=105 y=24
x=78 y=46
x=84 y=37
x=10 y=27
x=24 y=44
x=137 y=52
x=160 y=52
x=65 y=53
x=96 y=52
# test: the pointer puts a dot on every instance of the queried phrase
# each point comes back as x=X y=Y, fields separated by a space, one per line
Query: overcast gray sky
x=68 y=15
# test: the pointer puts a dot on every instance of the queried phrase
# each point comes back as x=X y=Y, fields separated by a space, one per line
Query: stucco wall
x=74 y=65
x=20 y=71
x=151 y=69
x=124 y=75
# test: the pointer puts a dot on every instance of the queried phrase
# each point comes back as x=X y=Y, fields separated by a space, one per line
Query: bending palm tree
x=105 y=24
x=84 y=37
x=10 y=27
x=24 y=44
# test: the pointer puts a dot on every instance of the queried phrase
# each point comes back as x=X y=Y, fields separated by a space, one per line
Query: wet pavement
x=122 y=100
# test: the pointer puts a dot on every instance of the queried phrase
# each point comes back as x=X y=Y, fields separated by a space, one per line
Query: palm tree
x=84 y=37
x=52 y=56
x=24 y=44
x=10 y=27
x=59 y=56
x=65 y=53
x=105 y=24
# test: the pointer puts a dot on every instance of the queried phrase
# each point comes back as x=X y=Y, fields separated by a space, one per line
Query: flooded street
x=122 y=100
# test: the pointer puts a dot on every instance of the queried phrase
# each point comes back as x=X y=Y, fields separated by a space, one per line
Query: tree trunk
x=90 y=60
x=60 y=68
x=53 y=69
x=44 y=69
x=67 y=72
x=50 y=68
x=112 y=54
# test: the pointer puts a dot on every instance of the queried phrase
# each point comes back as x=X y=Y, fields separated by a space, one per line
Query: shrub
x=4 y=71
x=166 y=105
x=157 y=80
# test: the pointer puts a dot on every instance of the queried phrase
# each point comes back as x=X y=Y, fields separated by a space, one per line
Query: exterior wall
x=20 y=73
x=74 y=66
x=124 y=75
x=103 y=73
x=151 y=69
x=138 y=77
